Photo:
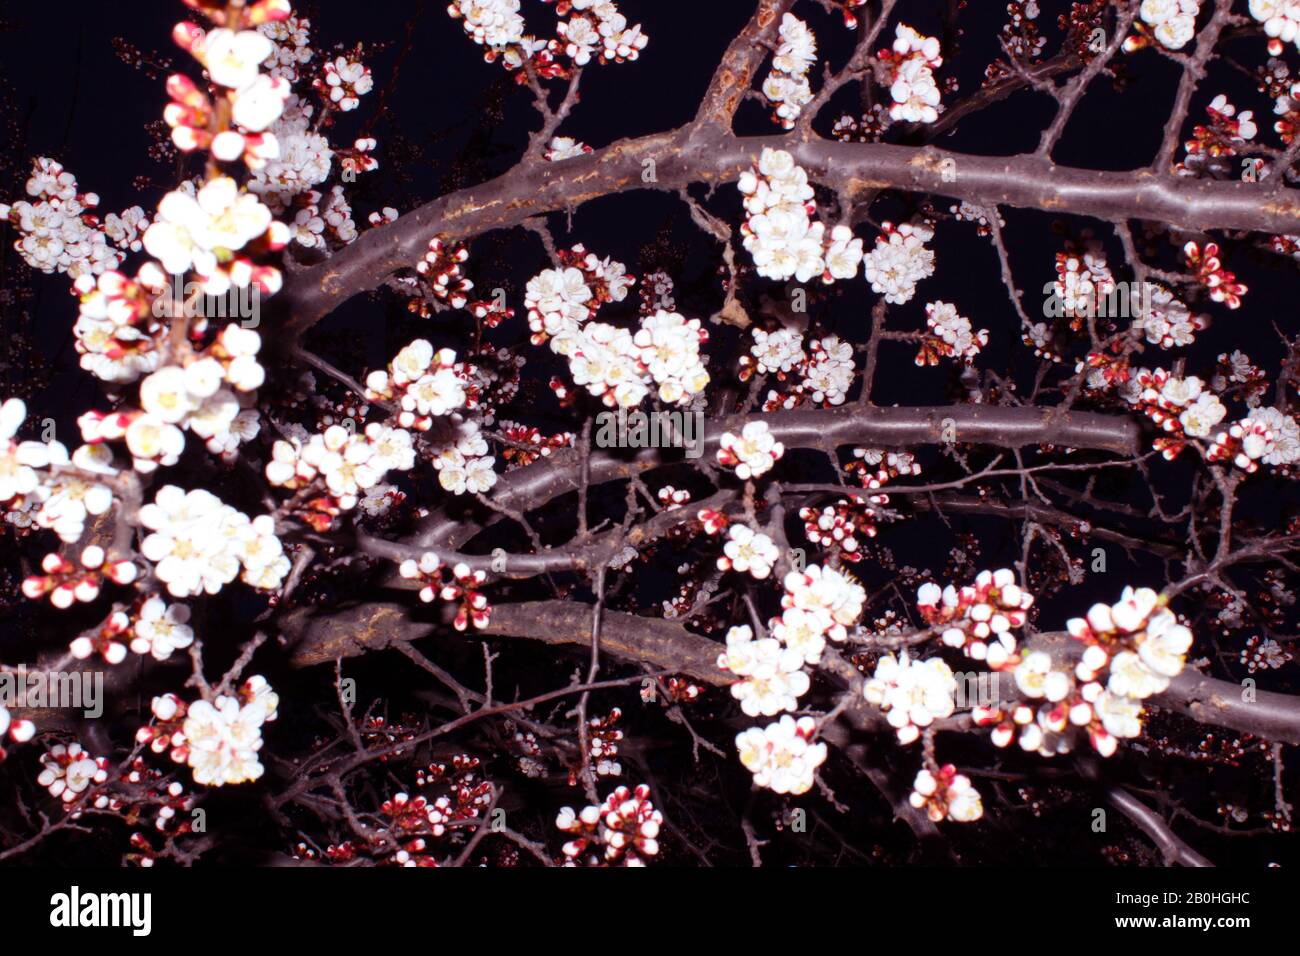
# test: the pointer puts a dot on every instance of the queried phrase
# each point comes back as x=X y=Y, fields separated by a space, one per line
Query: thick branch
x=670 y=161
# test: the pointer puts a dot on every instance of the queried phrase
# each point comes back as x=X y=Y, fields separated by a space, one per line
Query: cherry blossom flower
x=621 y=831
x=787 y=84
x=69 y=771
x=748 y=552
x=222 y=738
x=782 y=756
x=911 y=693
x=1173 y=21
x=161 y=629
x=752 y=453
x=946 y=794
x=18 y=460
x=232 y=59
x=978 y=618
x=899 y=261
x=912 y=63
x=563 y=147
x=773 y=678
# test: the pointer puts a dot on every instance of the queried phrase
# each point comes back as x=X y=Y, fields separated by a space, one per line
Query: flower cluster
x=1165 y=320
x=787 y=85
x=899 y=260
x=560 y=300
x=772 y=675
x=841 y=525
x=422 y=382
x=66 y=583
x=782 y=756
x=1212 y=147
x=199 y=544
x=622 y=831
x=1172 y=21
x=951 y=336
x=206 y=231
x=594 y=28
x=465 y=465
x=58 y=232
x=68 y=771
x=1181 y=407
x=911 y=693
x=1266 y=434
x=779 y=230
x=458 y=583
x=912 y=87
x=1281 y=21
x=978 y=618
x=346 y=463
x=345 y=81
x=221 y=738
x=117 y=330
x=831 y=600
x=565 y=147
x=1084 y=284
x=946 y=794
x=1221 y=284
x=748 y=552
x=823 y=375
x=752 y=453
x=442 y=274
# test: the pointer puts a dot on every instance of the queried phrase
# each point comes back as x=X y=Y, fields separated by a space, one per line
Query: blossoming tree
x=418 y=612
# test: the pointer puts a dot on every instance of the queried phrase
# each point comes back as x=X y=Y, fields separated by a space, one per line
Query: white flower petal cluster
x=57 y=230
x=565 y=147
x=979 y=618
x=162 y=628
x=198 y=544
x=1165 y=320
x=223 y=737
x=668 y=348
x=773 y=678
x=68 y=498
x=782 y=756
x=1266 y=434
x=304 y=157
x=18 y=460
x=779 y=231
x=787 y=84
x=748 y=552
x=829 y=372
x=912 y=86
x=1281 y=19
x=899 y=261
x=200 y=232
x=465 y=465
x=832 y=597
x=777 y=351
x=67 y=771
x=947 y=795
x=961 y=341
x=1172 y=21
x=912 y=694
x=292 y=41
x=752 y=453
x=491 y=23
x=348 y=463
